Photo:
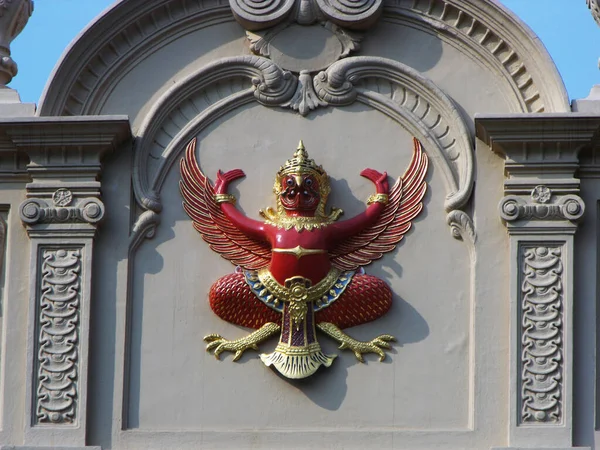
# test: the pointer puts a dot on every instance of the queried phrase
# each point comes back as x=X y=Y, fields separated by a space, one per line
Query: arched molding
x=496 y=37
x=92 y=66
x=409 y=98
x=416 y=103
x=202 y=97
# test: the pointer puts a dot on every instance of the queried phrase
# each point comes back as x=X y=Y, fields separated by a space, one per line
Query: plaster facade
x=105 y=281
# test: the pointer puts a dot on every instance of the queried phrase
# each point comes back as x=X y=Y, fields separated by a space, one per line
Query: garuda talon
x=300 y=269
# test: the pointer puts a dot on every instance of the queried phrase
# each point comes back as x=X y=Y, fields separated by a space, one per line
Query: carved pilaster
x=61 y=213
x=540 y=310
x=58 y=359
x=541 y=210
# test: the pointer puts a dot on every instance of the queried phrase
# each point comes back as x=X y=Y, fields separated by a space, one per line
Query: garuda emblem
x=300 y=269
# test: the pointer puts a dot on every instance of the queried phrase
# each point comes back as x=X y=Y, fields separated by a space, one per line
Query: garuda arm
x=379 y=236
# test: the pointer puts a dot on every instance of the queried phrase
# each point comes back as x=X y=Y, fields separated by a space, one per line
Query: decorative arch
x=93 y=65
x=195 y=102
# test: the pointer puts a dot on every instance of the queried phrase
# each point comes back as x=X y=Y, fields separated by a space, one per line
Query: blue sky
x=565 y=26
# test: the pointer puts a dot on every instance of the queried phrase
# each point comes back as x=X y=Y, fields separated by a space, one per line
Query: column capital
x=541 y=166
x=65 y=159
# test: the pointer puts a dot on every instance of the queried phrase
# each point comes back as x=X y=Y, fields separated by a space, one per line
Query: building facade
x=491 y=254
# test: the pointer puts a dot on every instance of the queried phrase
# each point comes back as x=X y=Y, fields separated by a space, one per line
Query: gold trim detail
x=284 y=293
x=225 y=198
x=281 y=220
x=297 y=363
x=299 y=164
x=378 y=198
x=299 y=251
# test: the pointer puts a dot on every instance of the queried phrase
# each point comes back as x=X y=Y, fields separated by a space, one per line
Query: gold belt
x=298 y=291
x=298 y=288
x=299 y=251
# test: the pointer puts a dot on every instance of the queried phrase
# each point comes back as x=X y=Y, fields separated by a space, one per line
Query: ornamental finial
x=301 y=152
x=13 y=18
x=300 y=163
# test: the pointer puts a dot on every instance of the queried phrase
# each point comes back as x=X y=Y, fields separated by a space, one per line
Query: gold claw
x=376 y=345
x=218 y=344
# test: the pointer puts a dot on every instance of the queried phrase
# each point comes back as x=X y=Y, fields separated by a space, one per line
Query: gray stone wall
x=105 y=280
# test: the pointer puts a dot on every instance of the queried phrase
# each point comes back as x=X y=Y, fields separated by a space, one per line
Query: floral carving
x=541 y=335
x=58 y=335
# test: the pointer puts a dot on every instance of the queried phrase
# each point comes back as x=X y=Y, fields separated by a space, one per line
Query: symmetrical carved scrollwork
x=305 y=98
x=541 y=334
x=257 y=15
x=58 y=336
x=84 y=79
x=261 y=14
x=567 y=207
x=412 y=100
x=87 y=210
x=354 y=14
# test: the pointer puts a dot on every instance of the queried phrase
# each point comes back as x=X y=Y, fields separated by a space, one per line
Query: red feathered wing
x=214 y=227
x=405 y=203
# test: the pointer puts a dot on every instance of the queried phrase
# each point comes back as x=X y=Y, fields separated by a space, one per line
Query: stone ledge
x=537 y=448
x=13 y=447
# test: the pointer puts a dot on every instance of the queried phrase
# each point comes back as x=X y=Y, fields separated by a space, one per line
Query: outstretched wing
x=214 y=227
x=405 y=203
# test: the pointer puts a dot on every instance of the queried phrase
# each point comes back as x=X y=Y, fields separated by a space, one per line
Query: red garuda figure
x=300 y=269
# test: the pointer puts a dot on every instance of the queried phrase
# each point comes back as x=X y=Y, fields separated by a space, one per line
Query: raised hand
x=378 y=178
x=223 y=179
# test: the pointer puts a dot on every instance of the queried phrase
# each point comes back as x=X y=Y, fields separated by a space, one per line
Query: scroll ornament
x=261 y=14
x=300 y=270
x=86 y=210
x=542 y=206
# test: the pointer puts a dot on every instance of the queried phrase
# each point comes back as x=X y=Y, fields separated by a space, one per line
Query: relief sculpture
x=300 y=270
x=58 y=356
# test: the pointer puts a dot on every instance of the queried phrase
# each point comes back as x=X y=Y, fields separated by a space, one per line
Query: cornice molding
x=91 y=67
x=493 y=34
x=541 y=166
x=103 y=53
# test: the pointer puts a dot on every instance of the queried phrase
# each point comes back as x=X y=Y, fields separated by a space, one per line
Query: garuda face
x=300 y=193
x=300 y=271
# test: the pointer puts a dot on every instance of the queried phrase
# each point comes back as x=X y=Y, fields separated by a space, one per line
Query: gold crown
x=300 y=163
